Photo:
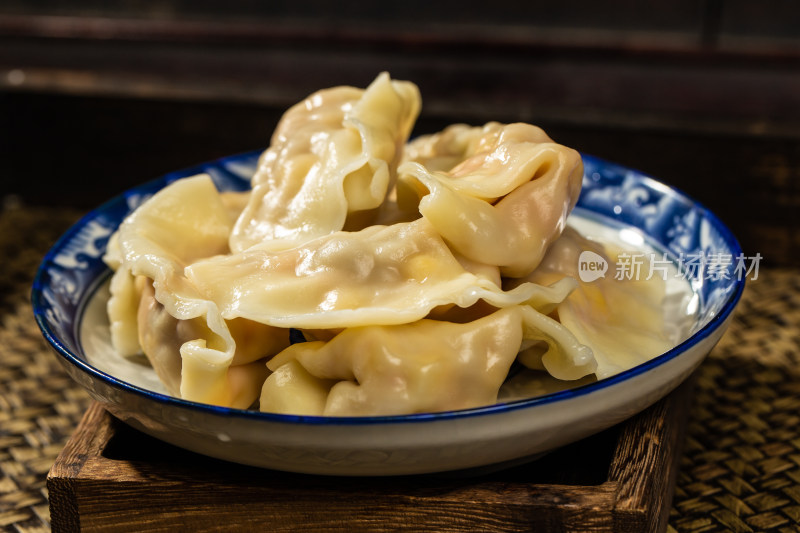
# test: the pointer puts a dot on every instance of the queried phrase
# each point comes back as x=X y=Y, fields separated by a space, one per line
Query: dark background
x=703 y=95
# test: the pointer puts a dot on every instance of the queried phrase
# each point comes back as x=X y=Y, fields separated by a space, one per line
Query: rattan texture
x=40 y=405
x=740 y=469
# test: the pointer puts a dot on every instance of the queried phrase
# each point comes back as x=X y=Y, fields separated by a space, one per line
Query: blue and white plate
x=69 y=305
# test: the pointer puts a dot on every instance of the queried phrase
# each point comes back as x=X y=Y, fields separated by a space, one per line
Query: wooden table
x=112 y=478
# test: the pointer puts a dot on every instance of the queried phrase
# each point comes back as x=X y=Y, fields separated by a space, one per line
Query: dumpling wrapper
x=622 y=321
x=161 y=336
x=377 y=276
x=332 y=155
x=504 y=202
x=198 y=223
x=424 y=366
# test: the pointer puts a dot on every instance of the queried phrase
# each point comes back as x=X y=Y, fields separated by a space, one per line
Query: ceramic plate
x=534 y=414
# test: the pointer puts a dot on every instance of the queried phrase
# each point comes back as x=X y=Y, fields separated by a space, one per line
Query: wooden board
x=110 y=477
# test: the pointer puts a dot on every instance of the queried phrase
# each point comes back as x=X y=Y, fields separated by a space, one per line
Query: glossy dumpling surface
x=331 y=162
x=379 y=275
x=176 y=314
x=621 y=320
x=506 y=199
x=424 y=366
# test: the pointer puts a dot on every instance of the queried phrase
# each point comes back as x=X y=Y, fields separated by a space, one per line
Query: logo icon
x=591 y=266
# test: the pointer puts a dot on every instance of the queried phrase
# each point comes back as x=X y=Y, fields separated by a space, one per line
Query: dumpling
x=418 y=273
x=424 y=366
x=485 y=162
x=621 y=320
x=122 y=306
x=199 y=223
x=331 y=162
x=504 y=202
x=161 y=336
x=379 y=275
x=185 y=221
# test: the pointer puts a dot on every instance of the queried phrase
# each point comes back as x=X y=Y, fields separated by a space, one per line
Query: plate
x=68 y=303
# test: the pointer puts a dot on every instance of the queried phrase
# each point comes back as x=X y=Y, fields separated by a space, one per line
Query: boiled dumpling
x=621 y=320
x=506 y=199
x=161 y=336
x=418 y=272
x=379 y=275
x=198 y=223
x=331 y=162
x=423 y=366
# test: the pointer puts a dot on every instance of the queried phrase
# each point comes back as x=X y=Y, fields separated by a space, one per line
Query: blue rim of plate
x=615 y=192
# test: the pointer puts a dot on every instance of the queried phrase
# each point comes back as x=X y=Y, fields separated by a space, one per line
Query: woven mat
x=741 y=465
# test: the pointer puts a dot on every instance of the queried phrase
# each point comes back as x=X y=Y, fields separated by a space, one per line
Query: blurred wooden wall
x=703 y=95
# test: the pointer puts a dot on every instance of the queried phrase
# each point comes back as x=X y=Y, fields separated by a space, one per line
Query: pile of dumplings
x=417 y=272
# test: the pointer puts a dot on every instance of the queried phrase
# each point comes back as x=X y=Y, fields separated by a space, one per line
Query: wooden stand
x=110 y=477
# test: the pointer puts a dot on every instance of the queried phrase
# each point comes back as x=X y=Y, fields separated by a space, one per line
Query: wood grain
x=112 y=478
